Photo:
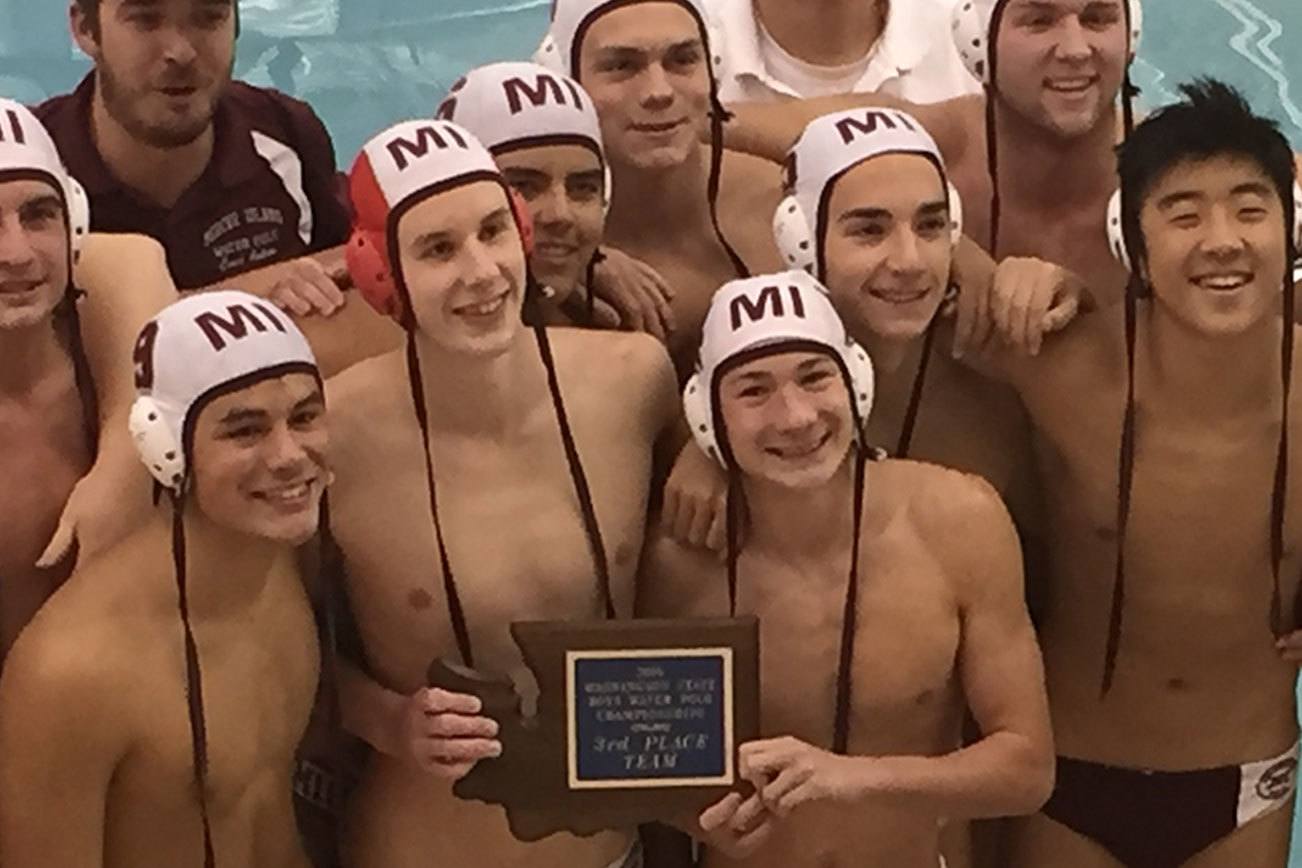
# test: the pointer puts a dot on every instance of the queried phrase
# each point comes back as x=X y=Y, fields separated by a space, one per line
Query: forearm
x=369 y=710
x=126 y=282
x=1000 y=776
x=770 y=129
x=261 y=281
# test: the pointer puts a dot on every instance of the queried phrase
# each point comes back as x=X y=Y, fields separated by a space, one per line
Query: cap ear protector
x=1117 y=235
x=971 y=23
x=797 y=240
x=157 y=445
x=369 y=265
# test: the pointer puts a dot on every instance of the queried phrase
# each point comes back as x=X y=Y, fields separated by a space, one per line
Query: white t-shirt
x=914 y=58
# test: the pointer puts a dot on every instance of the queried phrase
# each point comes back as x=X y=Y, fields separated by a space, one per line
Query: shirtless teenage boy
x=514 y=530
x=129 y=739
x=1173 y=711
x=542 y=130
x=695 y=213
x=881 y=665
x=1054 y=70
x=66 y=365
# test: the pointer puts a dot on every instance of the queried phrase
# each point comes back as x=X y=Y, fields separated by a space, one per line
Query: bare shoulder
x=100 y=247
x=620 y=364
x=959 y=517
x=91 y=639
x=750 y=181
x=1087 y=355
x=678 y=581
x=363 y=398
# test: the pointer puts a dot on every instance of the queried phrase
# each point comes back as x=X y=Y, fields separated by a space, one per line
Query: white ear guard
x=78 y=216
x=791 y=308
x=1117 y=236
x=797 y=241
x=970 y=26
x=156 y=444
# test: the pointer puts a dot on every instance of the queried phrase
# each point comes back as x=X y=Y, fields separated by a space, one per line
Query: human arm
x=303 y=286
x=60 y=743
x=436 y=730
x=126 y=282
x=635 y=291
x=770 y=129
x=1009 y=771
x=696 y=500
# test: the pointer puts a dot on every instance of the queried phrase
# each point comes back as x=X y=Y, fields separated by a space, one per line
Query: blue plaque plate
x=649 y=718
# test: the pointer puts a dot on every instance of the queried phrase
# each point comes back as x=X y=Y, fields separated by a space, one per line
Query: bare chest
x=45 y=454
x=515 y=541
x=259 y=678
x=901 y=674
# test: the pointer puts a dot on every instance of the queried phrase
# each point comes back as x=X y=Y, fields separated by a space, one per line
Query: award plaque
x=638 y=721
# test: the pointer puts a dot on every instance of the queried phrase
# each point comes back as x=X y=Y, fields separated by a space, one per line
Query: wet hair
x=1212 y=120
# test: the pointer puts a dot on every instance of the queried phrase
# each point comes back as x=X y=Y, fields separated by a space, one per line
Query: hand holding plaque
x=638 y=721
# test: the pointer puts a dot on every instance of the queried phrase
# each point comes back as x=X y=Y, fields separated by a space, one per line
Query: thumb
x=1058 y=316
x=61 y=543
x=604 y=316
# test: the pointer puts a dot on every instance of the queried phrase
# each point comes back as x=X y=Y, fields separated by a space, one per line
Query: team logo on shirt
x=1276 y=782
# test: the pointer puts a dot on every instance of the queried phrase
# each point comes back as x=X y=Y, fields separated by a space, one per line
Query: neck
x=650 y=206
x=824 y=32
x=28 y=354
x=481 y=396
x=801 y=523
x=225 y=571
x=1200 y=376
x=1060 y=174
x=160 y=175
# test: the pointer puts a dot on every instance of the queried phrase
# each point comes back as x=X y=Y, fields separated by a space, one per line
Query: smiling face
x=33 y=253
x=160 y=65
x=564 y=187
x=464 y=268
x=1060 y=63
x=259 y=459
x=887 y=246
x=1215 y=244
x=787 y=418
x=645 y=67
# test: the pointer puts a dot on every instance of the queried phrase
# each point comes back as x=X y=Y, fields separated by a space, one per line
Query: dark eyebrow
x=587 y=175
x=49 y=200
x=526 y=173
x=809 y=363
x=1179 y=197
x=1253 y=188
x=864 y=214
x=315 y=398
x=609 y=51
x=238 y=415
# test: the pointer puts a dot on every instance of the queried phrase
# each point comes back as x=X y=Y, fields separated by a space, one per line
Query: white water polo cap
x=760 y=316
x=195 y=350
x=571 y=20
x=829 y=147
x=27 y=151
x=519 y=105
x=973 y=21
x=516 y=106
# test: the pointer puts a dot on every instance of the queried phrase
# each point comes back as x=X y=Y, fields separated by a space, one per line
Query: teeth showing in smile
x=1070 y=85
x=1224 y=281
x=486 y=308
x=795 y=452
x=288 y=495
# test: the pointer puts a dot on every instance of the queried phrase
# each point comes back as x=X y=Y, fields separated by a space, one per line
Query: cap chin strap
x=850 y=613
x=596 y=546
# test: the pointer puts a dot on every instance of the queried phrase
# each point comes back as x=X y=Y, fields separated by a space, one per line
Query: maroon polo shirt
x=269 y=193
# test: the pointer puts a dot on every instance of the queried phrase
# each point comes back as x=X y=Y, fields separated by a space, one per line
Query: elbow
x=1037 y=771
